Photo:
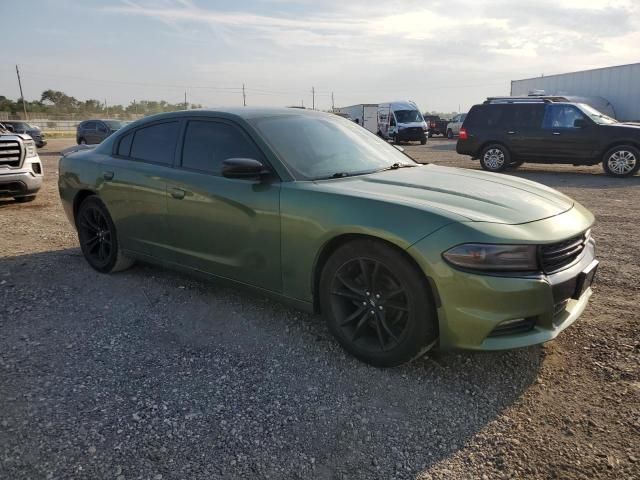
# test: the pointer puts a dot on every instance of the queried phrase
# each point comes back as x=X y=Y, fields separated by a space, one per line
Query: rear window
x=156 y=143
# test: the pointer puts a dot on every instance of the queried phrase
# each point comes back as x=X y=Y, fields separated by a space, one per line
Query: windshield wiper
x=396 y=166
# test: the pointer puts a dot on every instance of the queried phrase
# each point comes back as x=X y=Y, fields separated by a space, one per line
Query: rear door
x=89 y=132
x=563 y=139
x=135 y=187
x=522 y=128
x=224 y=226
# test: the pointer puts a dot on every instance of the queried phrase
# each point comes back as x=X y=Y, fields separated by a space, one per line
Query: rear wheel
x=373 y=300
x=495 y=158
x=98 y=237
x=621 y=161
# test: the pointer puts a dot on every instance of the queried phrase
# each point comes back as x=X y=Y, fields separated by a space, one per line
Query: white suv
x=454 y=125
x=20 y=167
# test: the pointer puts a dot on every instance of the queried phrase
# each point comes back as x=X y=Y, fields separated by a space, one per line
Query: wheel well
x=618 y=144
x=490 y=142
x=336 y=242
x=78 y=199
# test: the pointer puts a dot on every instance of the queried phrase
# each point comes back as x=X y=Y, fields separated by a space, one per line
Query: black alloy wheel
x=98 y=238
x=375 y=303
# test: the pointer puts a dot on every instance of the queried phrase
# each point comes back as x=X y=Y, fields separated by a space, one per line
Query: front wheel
x=98 y=237
x=375 y=303
x=621 y=161
x=495 y=158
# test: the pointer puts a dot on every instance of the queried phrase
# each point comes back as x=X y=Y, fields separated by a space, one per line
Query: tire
x=423 y=141
x=516 y=163
x=621 y=161
x=26 y=199
x=98 y=237
x=82 y=141
x=495 y=158
x=381 y=315
x=430 y=134
x=396 y=141
x=449 y=134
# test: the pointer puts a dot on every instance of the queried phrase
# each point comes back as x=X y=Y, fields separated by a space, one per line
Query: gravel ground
x=153 y=374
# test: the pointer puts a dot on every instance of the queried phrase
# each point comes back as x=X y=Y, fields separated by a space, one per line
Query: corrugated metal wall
x=620 y=85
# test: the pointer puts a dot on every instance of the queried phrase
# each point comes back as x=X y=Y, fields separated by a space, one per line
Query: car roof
x=245 y=113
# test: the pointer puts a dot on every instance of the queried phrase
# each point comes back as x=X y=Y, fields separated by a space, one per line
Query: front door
x=227 y=227
x=135 y=187
x=568 y=135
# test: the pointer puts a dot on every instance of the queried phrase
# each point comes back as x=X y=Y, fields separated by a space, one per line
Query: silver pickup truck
x=21 y=170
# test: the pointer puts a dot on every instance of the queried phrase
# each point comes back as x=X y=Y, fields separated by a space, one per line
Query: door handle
x=177 y=193
x=107 y=175
x=511 y=132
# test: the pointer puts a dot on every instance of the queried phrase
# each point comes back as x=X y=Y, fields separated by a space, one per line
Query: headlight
x=30 y=146
x=483 y=256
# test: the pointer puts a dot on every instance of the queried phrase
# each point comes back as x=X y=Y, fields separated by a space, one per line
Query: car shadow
x=154 y=348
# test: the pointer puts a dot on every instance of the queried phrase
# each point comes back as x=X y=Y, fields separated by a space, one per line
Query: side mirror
x=243 y=168
x=580 y=123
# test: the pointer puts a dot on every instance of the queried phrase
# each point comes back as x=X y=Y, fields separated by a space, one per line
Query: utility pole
x=333 y=107
x=244 y=97
x=24 y=105
x=186 y=106
x=313 y=98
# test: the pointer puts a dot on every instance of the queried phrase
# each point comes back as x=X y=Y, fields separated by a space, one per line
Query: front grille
x=556 y=256
x=10 y=153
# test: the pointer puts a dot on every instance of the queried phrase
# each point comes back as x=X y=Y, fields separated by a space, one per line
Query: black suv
x=505 y=132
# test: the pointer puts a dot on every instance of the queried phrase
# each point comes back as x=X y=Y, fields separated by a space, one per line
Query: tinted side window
x=208 y=144
x=156 y=143
x=484 y=116
x=89 y=126
x=124 y=147
x=522 y=115
x=561 y=116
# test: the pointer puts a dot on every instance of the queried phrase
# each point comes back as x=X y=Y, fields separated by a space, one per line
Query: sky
x=444 y=55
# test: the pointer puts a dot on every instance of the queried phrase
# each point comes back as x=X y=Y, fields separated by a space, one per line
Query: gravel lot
x=153 y=374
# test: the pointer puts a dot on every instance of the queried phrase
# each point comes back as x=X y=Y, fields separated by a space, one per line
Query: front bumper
x=19 y=184
x=471 y=307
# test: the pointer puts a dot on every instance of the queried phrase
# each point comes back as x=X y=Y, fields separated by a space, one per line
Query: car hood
x=467 y=195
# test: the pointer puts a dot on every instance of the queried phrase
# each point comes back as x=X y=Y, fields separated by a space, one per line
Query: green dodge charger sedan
x=308 y=207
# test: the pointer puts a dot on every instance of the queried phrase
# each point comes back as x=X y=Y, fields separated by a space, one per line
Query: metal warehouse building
x=619 y=85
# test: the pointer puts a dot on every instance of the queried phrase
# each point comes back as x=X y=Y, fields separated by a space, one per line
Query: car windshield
x=317 y=147
x=596 y=115
x=114 y=124
x=408 y=116
x=21 y=126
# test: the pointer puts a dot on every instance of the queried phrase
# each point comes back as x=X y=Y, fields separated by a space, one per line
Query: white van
x=401 y=122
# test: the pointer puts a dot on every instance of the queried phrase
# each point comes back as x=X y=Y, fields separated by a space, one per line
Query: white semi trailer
x=619 y=86
x=364 y=114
